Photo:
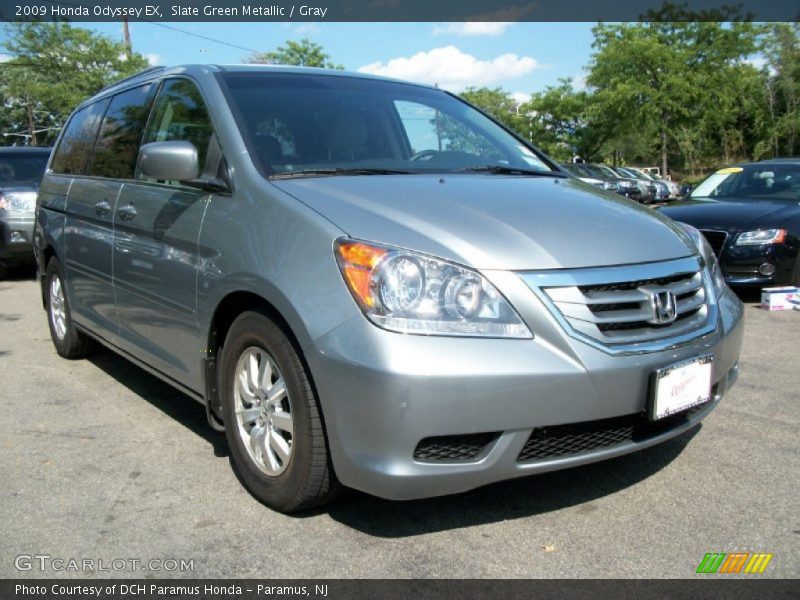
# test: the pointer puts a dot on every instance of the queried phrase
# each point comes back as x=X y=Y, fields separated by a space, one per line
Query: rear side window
x=72 y=154
x=117 y=147
x=180 y=114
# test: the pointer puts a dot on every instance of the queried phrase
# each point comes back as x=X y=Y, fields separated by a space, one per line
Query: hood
x=493 y=221
x=732 y=215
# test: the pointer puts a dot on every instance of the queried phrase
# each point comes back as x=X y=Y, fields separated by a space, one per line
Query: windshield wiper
x=508 y=170
x=333 y=171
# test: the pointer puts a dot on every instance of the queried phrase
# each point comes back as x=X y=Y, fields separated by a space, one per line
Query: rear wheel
x=272 y=419
x=69 y=342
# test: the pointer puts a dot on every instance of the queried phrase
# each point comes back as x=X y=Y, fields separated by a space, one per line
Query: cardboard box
x=780 y=298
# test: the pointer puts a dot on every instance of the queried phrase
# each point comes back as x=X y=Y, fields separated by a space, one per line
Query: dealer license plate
x=681 y=386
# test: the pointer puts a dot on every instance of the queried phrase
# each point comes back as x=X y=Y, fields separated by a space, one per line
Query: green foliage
x=680 y=91
x=304 y=53
x=54 y=67
x=661 y=77
x=781 y=91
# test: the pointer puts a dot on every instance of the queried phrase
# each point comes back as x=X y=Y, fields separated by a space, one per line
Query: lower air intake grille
x=450 y=448
x=566 y=440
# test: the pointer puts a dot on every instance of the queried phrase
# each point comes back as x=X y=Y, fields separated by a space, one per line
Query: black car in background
x=750 y=215
x=21 y=171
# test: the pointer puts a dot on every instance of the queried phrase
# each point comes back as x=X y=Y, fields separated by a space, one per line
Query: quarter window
x=117 y=147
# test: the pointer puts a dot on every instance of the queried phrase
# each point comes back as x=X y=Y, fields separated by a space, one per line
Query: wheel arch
x=232 y=304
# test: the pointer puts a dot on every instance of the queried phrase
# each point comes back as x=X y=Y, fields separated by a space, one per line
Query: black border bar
x=448 y=589
x=399 y=10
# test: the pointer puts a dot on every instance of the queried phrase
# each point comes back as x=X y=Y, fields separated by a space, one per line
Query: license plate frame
x=680 y=386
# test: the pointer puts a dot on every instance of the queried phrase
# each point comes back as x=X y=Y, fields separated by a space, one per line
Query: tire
x=3 y=271
x=275 y=432
x=69 y=342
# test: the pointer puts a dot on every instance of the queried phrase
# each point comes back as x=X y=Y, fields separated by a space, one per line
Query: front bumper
x=383 y=393
x=16 y=240
x=741 y=264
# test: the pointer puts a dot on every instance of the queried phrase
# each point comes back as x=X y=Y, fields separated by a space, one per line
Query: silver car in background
x=371 y=284
x=21 y=170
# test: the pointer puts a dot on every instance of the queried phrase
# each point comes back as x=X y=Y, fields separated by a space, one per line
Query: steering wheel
x=425 y=155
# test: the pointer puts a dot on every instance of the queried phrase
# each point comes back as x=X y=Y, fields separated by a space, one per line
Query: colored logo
x=734 y=563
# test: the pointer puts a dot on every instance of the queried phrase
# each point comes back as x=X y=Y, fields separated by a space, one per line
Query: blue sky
x=520 y=57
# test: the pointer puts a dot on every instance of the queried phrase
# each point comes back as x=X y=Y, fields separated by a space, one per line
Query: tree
x=659 y=76
x=496 y=102
x=304 y=53
x=565 y=122
x=55 y=66
x=781 y=74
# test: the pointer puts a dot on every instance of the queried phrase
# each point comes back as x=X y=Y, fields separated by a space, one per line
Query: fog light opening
x=767 y=269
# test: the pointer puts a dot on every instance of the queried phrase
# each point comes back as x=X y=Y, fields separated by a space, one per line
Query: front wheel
x=272 y=419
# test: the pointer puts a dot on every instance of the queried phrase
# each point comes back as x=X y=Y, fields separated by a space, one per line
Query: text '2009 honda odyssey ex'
x=370 y=283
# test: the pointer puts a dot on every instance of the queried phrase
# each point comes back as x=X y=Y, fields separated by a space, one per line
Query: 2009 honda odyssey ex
x=371 y=283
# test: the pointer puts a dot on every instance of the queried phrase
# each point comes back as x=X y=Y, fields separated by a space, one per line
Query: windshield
x=762 y=182
x=625 y=172
x=299 y=124
x=606 y=172
x=640 y=174
x=597 y=172
x=22 y=169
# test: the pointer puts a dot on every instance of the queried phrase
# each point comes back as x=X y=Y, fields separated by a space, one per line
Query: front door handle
x=127 y=212
x=102 y=208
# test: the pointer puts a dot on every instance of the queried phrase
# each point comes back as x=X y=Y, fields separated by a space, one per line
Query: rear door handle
x=102 y=208
x=127 y=212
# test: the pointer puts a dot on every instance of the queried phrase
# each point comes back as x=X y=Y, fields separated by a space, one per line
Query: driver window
x=430 y=131
x=180 y=114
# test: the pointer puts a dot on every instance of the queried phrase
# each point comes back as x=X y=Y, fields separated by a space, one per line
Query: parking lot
x=100 y=460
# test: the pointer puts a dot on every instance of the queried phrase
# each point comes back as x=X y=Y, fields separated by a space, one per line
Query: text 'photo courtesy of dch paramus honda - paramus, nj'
x=370 y=284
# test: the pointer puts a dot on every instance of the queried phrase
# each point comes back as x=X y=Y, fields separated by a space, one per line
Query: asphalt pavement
x=101 y=461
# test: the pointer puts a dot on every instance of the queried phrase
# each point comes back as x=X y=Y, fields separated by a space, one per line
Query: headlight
x=610 y=185
x=408 y=292
x=708 y=255
x=18 y=201
x=626 y=185
x=763 y=236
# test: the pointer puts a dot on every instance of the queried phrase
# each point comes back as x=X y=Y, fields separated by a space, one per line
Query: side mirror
x=169 y=161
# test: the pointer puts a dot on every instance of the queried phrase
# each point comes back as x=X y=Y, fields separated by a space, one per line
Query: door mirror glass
x=169 y=161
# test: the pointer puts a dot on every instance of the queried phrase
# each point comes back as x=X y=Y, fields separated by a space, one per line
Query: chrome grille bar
x=613 y=308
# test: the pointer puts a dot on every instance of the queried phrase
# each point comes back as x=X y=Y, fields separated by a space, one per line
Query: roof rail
x=134 y=76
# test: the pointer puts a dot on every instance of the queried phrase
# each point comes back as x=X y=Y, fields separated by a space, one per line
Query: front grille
x=716 y=239
x=453 y=448
x=548 y=443
x=619 y=310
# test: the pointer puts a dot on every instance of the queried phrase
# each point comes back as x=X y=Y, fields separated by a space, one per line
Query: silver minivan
x=371 y=284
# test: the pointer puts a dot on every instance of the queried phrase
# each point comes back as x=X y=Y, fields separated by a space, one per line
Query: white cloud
x=759 y=62
x=5 y=57
x=520 y=98
x=579 y=83
x=153 y=59
x=307 y=29
x=452 y=69
x=492 y=29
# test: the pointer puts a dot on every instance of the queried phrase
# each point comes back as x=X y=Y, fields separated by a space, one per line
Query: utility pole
x=127 y=33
